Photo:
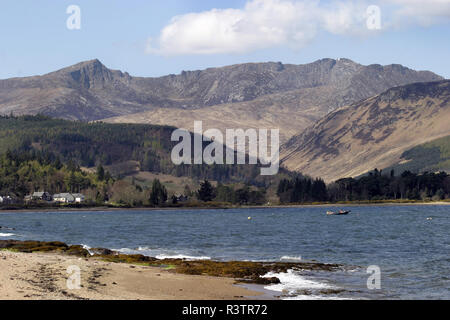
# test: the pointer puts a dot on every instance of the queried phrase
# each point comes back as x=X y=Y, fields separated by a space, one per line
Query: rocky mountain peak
x=90 y=91
x=91 y=74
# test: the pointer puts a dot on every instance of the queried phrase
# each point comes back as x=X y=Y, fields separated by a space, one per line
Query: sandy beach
x=43 y=276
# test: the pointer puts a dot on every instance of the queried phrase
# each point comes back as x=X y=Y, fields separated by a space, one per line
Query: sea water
x=411 y=250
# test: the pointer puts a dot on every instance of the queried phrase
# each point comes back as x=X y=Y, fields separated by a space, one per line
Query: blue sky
x=35 y=39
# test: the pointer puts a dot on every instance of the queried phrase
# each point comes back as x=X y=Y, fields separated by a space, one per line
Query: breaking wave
x=161 y=254
x=294 y=286
x=6 y=235
x=290 y=258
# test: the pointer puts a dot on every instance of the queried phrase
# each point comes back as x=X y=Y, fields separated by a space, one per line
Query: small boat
x=338 y=213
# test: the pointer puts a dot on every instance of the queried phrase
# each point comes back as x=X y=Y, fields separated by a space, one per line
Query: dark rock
x=265 y=281
x=101 y=251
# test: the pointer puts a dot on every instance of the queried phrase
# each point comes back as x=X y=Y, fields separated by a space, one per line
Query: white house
x=64 y=198
x=42 y=196
x=68 y=197
x=78 y=197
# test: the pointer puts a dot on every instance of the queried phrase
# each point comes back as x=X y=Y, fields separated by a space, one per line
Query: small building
x=68 y=198
x=41 y=196
x=79 y=198
x=64 y=198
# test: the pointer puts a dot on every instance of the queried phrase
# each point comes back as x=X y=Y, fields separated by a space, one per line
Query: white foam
x=181 y=256
x=161 y=253
x=7 y=235
x=125 y=251
x=86 y=247
x=291 y=282
x=290 y=258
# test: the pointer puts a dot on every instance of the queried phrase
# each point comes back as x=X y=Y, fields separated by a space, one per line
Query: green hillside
x=22 y=173
x=433 y=156
x=110 y=145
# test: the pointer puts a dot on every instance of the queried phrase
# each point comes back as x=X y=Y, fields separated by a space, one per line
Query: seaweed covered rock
x=242 y=271
x=265 y=281
x=40 y=246
x=127 y=258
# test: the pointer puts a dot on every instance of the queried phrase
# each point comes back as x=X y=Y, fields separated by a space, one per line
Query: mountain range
x=337 y=118
x=252 y=95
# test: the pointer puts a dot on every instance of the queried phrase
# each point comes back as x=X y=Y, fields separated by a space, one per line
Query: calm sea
x=409 y=244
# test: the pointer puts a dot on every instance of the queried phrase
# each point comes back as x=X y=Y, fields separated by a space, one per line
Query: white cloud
x=271 y=23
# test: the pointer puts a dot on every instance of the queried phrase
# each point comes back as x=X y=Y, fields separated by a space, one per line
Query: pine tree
x=158 y=196
x=100 y=173
x=206 y=193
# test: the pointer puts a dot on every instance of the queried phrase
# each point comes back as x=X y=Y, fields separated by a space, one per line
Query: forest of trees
x=246 y=195
x=38 y=153
x=374 y=186
x=379 y=186
x=22 y=173
x=302 y=189
x=93 y=144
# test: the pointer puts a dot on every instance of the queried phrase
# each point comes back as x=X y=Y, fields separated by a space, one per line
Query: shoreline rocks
x=242 y=271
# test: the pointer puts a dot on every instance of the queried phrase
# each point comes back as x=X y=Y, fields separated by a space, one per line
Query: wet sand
x=43 y=276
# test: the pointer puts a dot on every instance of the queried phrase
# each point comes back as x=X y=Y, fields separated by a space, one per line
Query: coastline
x=318 y=205
x=39 y=270
x=38 y=276
x=306 y=280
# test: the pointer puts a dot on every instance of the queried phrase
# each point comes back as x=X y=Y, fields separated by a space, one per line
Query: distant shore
x=215 y=207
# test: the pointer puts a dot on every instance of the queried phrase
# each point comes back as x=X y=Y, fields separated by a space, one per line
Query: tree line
x=374 y=186
x=246 y=195
x=39 y=153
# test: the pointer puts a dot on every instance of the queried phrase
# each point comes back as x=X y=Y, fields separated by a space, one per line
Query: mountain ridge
x=252 y=95
x=372 y=133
